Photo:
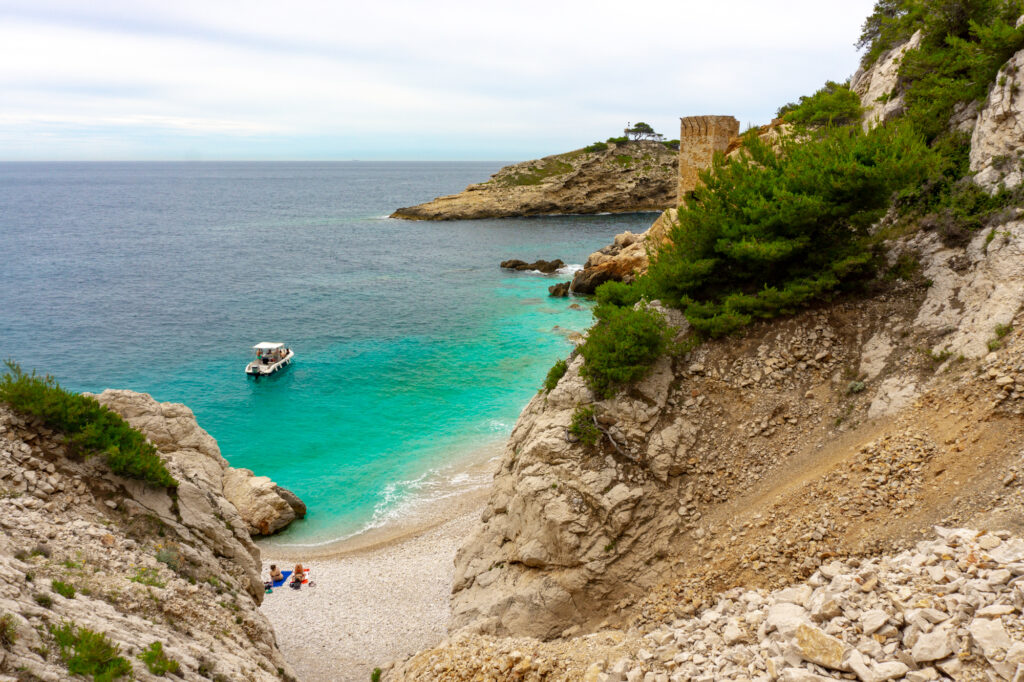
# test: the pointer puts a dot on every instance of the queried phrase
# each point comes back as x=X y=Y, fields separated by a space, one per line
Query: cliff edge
x=623 y=178
x=89 y=557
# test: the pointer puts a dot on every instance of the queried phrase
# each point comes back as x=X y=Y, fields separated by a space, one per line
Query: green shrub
x=89 y=653
x=172 y=557
x=776 y=230
x=618 y=294
x=596 y=147
x=618 y=140
x=621 y=347
x=44 y=600
x=671 y=144
x=88 y=426
x=834 y=104
x=375 y=675
x=556 y=372
x=63 y=589
x=147 y=576
x=8 y=630
x=157 y=661
x=583 y=427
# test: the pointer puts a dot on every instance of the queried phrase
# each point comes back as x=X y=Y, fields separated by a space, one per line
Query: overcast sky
x=396 y=79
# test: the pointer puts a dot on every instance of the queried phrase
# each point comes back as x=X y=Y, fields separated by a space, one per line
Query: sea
x=415 y=352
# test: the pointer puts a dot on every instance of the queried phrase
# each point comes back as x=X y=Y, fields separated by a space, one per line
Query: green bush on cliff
x=583 y=427
x=596 y=147
x=834 y=104
x=555 y=374
x=89 y=428
x=621 y=347
x=157 y=661
x=86 y=652
x=781 y=228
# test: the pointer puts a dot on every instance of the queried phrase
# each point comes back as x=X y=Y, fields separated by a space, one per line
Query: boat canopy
x=267 y=345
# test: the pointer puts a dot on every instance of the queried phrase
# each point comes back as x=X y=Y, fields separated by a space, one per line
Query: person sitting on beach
x=297 y=577
x=275 y=573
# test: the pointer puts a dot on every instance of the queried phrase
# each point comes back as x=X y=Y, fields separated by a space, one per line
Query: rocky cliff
x=136 y=563
x=627 y=177
x=809 y=452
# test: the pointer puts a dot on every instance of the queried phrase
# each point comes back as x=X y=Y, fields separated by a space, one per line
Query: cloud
x=395 y=78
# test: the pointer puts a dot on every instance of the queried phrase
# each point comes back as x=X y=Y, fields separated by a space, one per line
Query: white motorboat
x=270 y=357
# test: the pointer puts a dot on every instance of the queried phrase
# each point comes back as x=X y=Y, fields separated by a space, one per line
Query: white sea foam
x=415 y=499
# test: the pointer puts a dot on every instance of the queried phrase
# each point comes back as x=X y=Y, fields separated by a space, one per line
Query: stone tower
x=699 y=138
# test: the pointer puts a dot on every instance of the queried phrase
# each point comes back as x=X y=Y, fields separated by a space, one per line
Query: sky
x=396 y=79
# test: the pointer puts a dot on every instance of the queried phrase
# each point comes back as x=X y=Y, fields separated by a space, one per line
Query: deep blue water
x=413 y=349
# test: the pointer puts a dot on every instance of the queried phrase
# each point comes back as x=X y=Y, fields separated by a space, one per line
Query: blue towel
x=284 y=576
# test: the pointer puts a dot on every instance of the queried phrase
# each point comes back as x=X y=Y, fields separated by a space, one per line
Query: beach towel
x=284 y=577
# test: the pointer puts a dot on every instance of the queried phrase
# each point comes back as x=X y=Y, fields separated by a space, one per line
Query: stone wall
x=699 y=138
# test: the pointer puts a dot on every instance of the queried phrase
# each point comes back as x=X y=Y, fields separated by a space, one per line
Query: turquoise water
x=414 y=351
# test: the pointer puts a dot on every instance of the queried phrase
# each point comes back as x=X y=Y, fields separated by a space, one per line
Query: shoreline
x=379 y=596
x=465 y=483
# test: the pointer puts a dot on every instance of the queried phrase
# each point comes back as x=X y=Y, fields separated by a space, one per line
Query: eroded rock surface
x=145 y=566
x=877 y=85
x=998 y=138
x=634 y=176
x=193 y=456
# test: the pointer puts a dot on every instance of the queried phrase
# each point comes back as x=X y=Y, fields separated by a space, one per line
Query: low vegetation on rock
x=622 y=346
x=834 y=104
x=583 y=426
x=556 y=372
x=86 y=652
x=157 y=662
x=89 y=427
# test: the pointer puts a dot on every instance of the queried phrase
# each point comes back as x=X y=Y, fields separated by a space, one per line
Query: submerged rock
x=560 y=290
x=548 y=267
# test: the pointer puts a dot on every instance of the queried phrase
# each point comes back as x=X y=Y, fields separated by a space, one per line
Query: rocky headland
x=135 y=563
x=625 y=177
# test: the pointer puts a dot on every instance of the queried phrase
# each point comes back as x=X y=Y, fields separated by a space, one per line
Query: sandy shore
x=377 y=598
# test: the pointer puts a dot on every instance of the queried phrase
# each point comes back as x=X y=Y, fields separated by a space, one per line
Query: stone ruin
x=699 y=138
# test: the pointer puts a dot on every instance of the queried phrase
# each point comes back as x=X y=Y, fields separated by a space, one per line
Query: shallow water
x=414 y=352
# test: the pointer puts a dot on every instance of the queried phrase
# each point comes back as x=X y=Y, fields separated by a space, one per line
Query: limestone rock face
x=973 y=289
x=635 y=176
x=998 y=137
x=877 y=85
x=145 y=567
x=561 y=522
x=260 y=501
x=192 y=456
x=626 y=258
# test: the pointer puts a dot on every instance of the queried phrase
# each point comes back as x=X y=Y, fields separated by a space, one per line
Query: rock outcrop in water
x=547 y=267
x=119 y=557
x=626 y=258
x=264 y=506
x=627 y=177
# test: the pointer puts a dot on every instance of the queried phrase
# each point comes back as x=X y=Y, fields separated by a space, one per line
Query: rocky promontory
x=89 y=557
x=622 y=178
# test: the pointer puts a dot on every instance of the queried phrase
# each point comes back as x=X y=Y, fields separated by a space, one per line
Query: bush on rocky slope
x=621 y=347
x=833 y=104
x=780 y=228
x=89 y=427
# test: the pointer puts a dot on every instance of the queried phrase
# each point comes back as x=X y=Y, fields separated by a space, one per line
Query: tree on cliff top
x=642 y=131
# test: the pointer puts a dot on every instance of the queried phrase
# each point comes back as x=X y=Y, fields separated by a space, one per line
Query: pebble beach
x=375 y=600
